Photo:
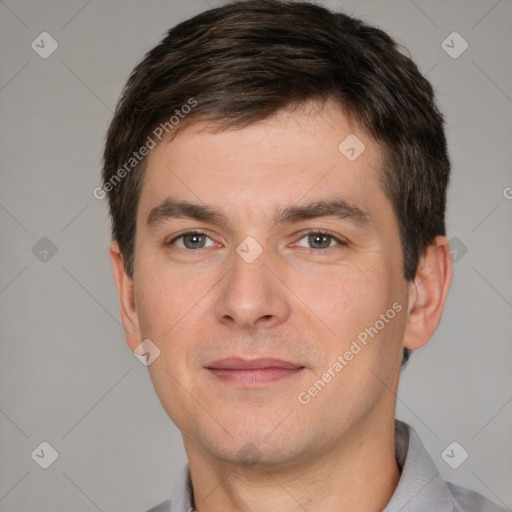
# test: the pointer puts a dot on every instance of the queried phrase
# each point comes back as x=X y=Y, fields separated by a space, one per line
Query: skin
x=297 y=301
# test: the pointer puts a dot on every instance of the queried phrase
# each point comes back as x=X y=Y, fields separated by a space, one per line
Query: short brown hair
x=246 y=60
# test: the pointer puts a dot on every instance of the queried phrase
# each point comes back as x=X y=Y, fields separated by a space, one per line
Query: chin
x=256 y=446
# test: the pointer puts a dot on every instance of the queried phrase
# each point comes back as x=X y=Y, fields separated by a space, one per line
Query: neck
x=359 y=476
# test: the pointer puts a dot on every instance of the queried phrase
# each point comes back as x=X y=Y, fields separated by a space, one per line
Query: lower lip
x=254 y=378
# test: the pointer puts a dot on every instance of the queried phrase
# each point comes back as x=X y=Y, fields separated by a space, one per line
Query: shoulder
x=165 y=506
x=466 y=500
x=422 y=484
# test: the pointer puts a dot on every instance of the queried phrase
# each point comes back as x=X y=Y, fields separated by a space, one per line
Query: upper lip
x=238 y=363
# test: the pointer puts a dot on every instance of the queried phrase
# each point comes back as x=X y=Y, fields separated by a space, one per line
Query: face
x=278 y=303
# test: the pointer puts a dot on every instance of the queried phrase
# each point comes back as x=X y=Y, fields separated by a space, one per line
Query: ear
x=427 y=294
x=125 y=290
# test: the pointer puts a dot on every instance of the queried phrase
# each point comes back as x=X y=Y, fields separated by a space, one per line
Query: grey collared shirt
x=421 y=487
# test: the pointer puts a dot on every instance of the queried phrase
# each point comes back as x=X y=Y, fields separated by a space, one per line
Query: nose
x=252 y=294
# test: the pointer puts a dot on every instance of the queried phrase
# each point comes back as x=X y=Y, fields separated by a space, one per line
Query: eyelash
x=314 y=232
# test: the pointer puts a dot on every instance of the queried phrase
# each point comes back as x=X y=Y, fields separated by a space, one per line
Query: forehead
x=296 y=156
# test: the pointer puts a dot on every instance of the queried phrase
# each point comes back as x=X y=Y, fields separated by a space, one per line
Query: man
x=277 y=177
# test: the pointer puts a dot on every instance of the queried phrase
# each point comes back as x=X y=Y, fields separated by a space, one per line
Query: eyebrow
x=336 y=207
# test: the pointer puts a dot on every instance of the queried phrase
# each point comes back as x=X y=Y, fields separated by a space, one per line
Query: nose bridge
x=250 y=291
x=248 y=278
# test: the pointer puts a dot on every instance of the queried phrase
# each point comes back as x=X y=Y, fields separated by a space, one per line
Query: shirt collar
x=421 y=487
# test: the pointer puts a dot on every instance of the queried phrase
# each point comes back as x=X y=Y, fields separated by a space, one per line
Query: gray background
x=67 y=376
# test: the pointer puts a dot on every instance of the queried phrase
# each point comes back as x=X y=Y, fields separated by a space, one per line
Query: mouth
x=252 y=372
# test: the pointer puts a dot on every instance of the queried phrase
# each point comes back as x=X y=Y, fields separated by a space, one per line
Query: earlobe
x=427 y=294
x=125 y=291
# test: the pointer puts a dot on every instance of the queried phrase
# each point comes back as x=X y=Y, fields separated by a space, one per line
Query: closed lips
x=236 y=363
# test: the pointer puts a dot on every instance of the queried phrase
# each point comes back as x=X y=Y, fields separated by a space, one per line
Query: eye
x=191 y=240
x=320 y=240
x=198 y=240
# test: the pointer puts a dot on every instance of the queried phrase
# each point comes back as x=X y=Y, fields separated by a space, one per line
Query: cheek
x=165 y=297
x=366 y=310
x=347 y=298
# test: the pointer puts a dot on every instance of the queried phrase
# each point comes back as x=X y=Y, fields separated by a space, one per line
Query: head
x=252 y=109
